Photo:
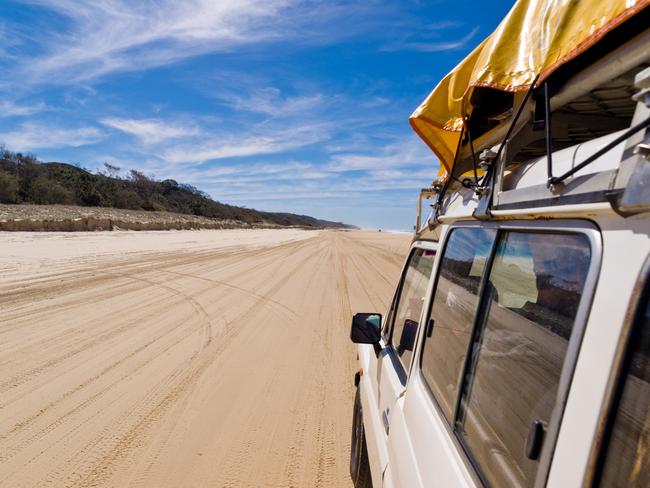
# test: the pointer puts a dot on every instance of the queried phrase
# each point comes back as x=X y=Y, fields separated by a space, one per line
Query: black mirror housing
x=366 y=328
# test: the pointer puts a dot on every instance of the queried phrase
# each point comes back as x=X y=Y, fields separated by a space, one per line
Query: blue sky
x=281 y=105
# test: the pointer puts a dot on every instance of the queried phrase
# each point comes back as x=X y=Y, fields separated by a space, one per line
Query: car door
x=396 y=348
x=486 y=395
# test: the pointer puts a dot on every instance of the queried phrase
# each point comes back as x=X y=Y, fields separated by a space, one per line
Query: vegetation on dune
x=25 y=179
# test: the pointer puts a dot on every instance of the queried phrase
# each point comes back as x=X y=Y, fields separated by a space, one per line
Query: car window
x=452 y=312
x=409 y=303
x=626 y=461
x=511 y=385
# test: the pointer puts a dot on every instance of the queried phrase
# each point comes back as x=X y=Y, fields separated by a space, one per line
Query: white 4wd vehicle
x=516 y=352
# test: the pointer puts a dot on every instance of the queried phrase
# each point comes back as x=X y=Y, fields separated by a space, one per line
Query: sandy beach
x=183 y=358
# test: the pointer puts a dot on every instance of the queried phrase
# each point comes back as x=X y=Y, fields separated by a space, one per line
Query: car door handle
x=384 y=418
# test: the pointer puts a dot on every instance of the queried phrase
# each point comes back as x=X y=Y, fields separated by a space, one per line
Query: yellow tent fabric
x=536 y=37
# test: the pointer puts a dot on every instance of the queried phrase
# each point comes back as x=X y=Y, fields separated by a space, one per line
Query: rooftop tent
x=536 y=38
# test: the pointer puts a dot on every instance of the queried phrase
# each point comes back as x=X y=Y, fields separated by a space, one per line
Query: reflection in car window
x=453 y=310
x=531 y=301
x=627 y=459
x=409 y=304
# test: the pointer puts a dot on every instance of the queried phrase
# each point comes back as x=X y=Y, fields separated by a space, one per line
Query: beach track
x=210 y=358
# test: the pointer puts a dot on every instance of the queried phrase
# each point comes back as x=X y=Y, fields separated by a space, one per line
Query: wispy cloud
x=255 y=141
x=436 y=46
x=246 y=173
x=270 y=101
x=394 y=167
x=102 y=37
x=30 y=136
x=107 y=36
x=151 y=131
x=10 y=40
x=10 y=109
x=450 y=45
x=406 y=152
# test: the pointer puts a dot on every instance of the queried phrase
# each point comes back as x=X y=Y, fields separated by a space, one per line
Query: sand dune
x=183 y=359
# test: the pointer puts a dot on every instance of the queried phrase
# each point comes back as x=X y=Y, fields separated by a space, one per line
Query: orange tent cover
x=536 y=37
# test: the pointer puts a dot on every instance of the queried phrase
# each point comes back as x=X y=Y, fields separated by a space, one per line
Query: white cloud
x=244 y=175
x=254 y=141
x=101 y=37
x=9 y=108
x=390 y=168
x=106 y=36
x=407 y=152
x=151 y=131
x=9 y=40
x=30 y=136
x=270 y=101
x=428 y=46
x=252 y=190
x=436 y=46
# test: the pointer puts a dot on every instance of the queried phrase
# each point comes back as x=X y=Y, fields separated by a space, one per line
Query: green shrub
x=90 y=197
x=127 y=199
x=46 y=191
x=8 y=188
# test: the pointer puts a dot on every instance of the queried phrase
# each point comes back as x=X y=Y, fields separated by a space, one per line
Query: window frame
x=555 y=226
x=429 y=306
x=387 y=337
x=616 y=382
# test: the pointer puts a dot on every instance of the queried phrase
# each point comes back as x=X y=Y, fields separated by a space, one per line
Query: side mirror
x=366 y=328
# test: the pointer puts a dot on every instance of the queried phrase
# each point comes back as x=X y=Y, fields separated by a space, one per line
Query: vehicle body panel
x=384 y=381
x=422 y=447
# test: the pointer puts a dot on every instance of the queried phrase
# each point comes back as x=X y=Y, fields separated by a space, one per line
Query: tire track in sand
x=257 y=334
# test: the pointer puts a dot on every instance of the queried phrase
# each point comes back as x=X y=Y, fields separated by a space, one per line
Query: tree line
x=25 y=179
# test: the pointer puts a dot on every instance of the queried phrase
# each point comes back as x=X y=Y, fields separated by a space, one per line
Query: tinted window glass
x=453 y=310
x=531 y=301
x=409 y=304
x=627 y=460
